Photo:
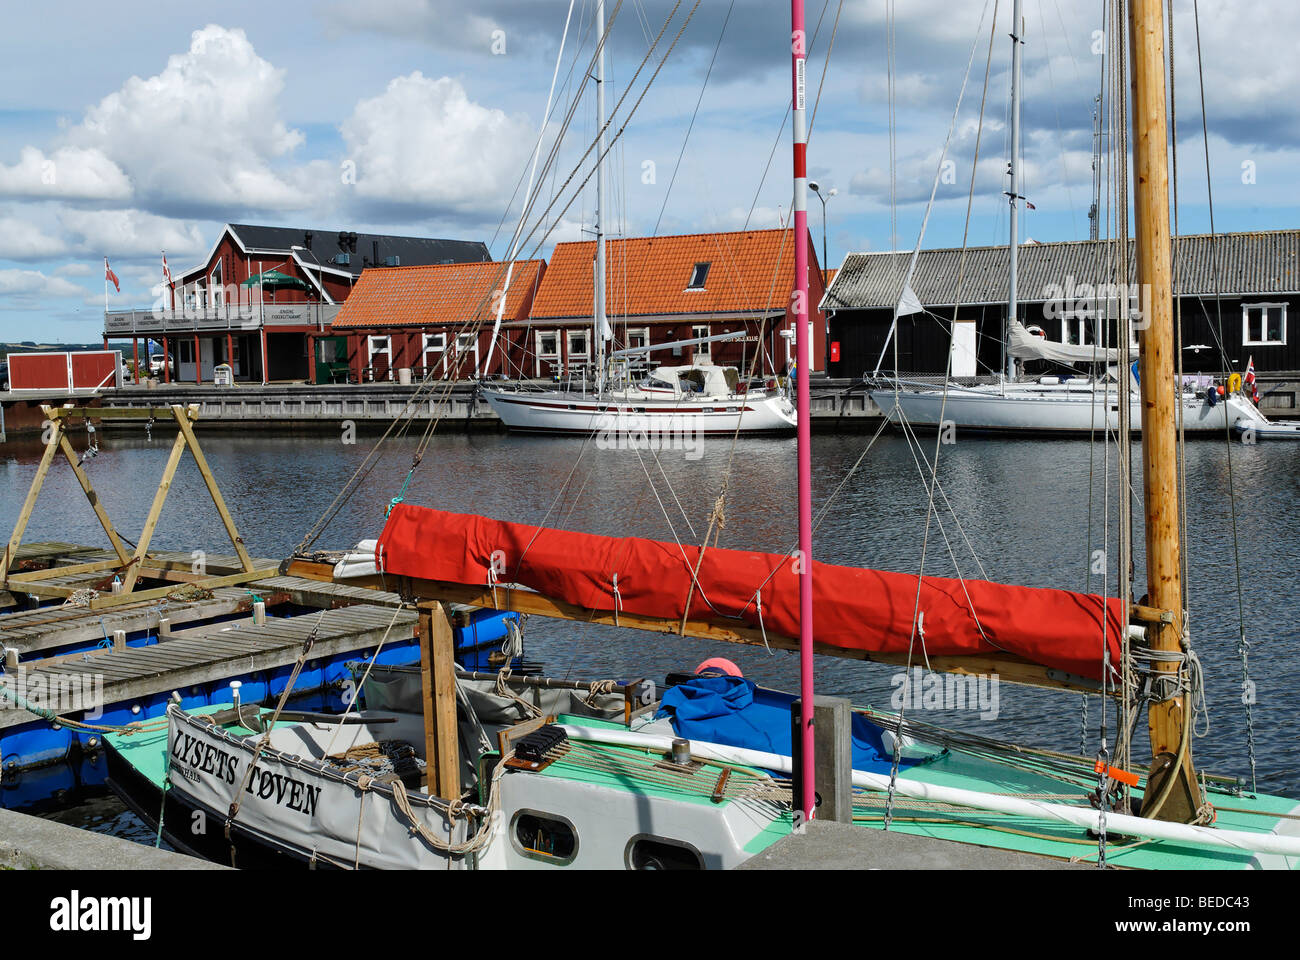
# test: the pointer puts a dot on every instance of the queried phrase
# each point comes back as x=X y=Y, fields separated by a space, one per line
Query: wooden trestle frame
x=129 y=566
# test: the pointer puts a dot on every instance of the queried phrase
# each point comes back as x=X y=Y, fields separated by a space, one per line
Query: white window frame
x=373 y=349
x=585 y=352
x=703 y=351
x=546 y=357
x=1074 y=330
x=466 y=343
x=642 y=332
x=440 y=350
x=214 y=285
x=1263 y=308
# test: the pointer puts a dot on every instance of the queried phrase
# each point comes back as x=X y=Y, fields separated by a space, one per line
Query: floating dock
x=122 y=664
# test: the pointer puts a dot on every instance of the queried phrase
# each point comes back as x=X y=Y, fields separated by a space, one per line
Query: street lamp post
x=815 y=187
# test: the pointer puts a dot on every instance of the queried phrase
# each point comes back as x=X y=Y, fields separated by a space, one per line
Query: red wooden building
x=435 y=319
x=264 y=295
x=664 y=289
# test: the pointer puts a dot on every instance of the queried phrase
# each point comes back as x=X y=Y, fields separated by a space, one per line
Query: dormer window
x=699 y=273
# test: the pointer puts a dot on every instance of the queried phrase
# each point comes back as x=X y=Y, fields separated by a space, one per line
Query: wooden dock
x=214 y=652
x=211 y=634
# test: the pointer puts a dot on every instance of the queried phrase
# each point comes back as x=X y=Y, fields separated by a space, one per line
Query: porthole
x=544 y=836
x=645 y=852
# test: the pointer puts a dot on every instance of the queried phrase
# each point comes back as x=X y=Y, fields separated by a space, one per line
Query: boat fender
x=719 y=665
x=1211 y=396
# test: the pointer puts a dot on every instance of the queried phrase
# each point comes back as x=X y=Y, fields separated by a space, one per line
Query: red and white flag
x=1249 y=382
x=167 y=274
x=111 y=276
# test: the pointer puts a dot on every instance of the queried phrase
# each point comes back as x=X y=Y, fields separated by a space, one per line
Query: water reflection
x=1019 y=513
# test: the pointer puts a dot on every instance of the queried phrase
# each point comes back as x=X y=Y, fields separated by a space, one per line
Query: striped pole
x=803 y=365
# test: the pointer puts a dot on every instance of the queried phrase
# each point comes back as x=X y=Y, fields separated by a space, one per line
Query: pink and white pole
x=803 y=361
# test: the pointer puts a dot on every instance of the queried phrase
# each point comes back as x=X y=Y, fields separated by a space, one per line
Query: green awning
x=275 y=279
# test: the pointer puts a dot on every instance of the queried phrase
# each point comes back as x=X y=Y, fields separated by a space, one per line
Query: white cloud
x=423 y=143
x=21 y=240
x=131 y=233
x=203 y=133
x=31 y=289
x=68 y=173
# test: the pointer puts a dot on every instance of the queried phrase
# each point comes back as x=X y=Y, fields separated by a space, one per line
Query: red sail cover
x=856 y=609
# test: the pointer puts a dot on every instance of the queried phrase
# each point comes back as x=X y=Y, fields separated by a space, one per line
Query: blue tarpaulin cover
x=736 y=712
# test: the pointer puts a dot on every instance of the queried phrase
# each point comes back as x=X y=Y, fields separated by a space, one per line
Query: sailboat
x=1058 y=403
x=445 y=769
x=695 y=399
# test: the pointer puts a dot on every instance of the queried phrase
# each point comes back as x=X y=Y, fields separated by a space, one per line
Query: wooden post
x=151 y=522
x=183 y=417
x=25 y=514
x=135 y=354
x=1166 y=720
x=438 y=683
x=167 y=363
x=833 y=747
x=311 y=359
x=92 y=496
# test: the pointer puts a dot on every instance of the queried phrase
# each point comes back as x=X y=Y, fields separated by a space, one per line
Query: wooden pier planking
x=206 y=654
x=43 y=628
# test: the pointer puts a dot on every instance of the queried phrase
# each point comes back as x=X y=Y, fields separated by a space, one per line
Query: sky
x=136 y=128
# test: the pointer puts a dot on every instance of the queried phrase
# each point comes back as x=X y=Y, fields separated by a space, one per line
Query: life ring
x=1036 y=331
x=1234 y=383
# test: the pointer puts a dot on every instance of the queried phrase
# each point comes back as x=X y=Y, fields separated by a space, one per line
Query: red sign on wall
x=835 y=351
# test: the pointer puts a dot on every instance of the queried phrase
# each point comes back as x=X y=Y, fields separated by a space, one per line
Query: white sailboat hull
x=1057 y=409
x=559 y=412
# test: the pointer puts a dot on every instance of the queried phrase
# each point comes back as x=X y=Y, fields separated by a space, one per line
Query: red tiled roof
x=829 y=274
x=451 y=293
x=750 y=271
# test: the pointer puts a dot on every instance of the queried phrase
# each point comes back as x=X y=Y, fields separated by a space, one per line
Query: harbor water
x=1012 y=511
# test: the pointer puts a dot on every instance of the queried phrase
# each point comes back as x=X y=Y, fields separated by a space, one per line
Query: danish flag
x=110 y=275
x=1249 y=380
x=167 y=274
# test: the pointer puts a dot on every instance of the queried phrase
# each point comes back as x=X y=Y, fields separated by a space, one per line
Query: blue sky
x=136 y=128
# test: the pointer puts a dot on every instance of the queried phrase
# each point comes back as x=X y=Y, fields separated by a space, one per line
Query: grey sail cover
x=1024 y=345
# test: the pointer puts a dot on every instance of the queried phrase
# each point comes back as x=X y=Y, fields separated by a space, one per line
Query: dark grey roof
x=411 y=251
x=1248 y=264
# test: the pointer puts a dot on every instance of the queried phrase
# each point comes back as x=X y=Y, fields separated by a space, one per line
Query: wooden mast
x=1167 y=720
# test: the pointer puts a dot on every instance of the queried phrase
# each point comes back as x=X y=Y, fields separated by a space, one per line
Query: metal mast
x=599 y=322
x=1017 y=41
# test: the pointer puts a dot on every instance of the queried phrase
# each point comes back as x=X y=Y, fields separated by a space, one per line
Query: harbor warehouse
x=1234 y=293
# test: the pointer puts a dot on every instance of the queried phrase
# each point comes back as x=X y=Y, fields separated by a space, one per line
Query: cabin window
x=699 y=274
x=1263 y=324
x=702 y=350
x=545 y=837
x=638 y=337
x=645 y=852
